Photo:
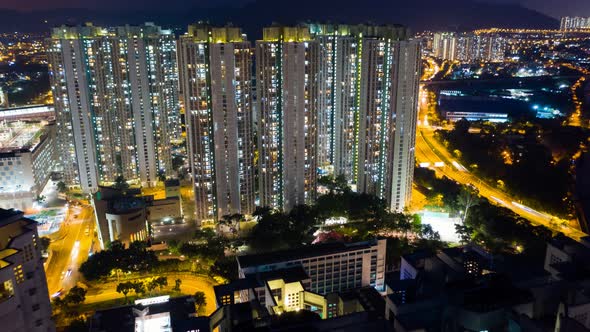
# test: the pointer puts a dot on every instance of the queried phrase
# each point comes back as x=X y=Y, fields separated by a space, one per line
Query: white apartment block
x=287 y=66
x=400 y=175
x=116 y=102
x=574 y=23
x=215 y=70
x=469 y=46
x=368 y=91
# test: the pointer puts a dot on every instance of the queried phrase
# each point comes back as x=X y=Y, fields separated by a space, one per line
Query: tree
x=75 y=296
x=138 y=287
x=59 y=303
x=232 y=221
x=40 y=199
x=62 y=188
x=261 y=211
x=162 y=282
x=462 y=126
x=151 y=285
x=161 y=175
x=177 y=162
x=467 y=198
x=200 y=300
x=404 y=224
x=116 y=246
x=464 y=232
x=121 y=184
x=177 y=283
x=336 y=184
x=226 y=267
x=44 y=241
x=124 y=288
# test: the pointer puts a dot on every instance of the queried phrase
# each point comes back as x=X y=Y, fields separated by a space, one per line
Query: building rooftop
x=12 y=225
x=254 y=280
x=18 y=135
x=6 y=253
x=41 y=112
x=123 y=318
x=416 y=259
x=487 y=293
x=126 y=205
x=301 y=253
x=422 y=320
x=368 y=297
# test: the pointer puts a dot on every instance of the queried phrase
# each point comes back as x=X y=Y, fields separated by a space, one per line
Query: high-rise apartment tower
x=215 y=69
x=116 y=99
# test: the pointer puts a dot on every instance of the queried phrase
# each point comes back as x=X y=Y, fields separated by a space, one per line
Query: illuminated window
x=18 y=274
x=6 y=290
x=226 y=299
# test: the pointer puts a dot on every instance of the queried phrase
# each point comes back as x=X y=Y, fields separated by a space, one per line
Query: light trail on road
x=69 y=246
x=433 y=152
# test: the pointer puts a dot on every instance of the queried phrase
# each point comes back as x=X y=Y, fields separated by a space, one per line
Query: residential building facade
x=369 y=92
x=116 y=102
x=469 y=46
x=24 y=298
x=574 y=23
x=215 y=66
x=287 y=67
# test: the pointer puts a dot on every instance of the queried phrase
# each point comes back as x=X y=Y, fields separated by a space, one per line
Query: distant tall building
x=488 y=47
x=574 y=23
x=287 y=67
x=116 y=99
x=215 y=66
x=444 y=45
x=24 y=298
x=463 y=49
x=371 y=85
x=469 y=46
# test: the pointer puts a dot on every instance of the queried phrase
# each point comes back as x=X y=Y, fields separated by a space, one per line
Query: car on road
x=87 y=231
x=58 y=293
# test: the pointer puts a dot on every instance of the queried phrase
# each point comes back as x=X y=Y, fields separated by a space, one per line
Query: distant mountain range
x=456 y=15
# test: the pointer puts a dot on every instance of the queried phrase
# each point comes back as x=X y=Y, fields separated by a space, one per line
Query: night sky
x=555 y=8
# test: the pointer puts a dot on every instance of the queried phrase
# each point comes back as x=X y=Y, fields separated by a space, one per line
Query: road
x=69 y=248
x=430 y=151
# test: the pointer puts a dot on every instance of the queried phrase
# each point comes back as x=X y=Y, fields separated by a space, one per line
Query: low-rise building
x=283 y=291
x=24 y=298
x=125 y=216
x=332 y=267
x=163 y=210
x=119 y=217
x=27 y=113
x=27 y=158
x=467 y=289
x=162 y=313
